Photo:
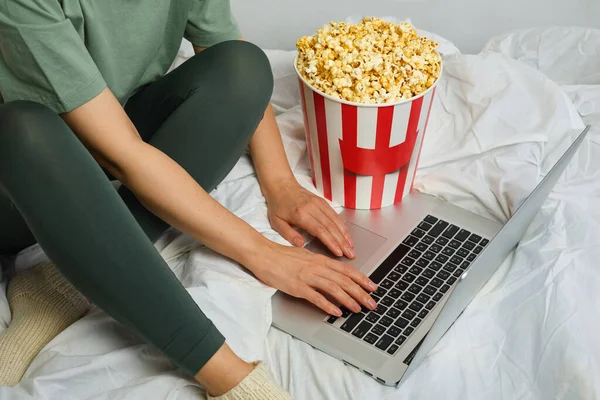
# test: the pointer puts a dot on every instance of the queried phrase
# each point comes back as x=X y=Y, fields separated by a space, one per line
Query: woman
x=84 y=92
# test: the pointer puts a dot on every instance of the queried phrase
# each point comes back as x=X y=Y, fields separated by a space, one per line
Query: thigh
x=203 y=113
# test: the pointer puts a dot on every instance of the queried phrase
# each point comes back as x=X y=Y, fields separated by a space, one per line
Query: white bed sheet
x=532 y=331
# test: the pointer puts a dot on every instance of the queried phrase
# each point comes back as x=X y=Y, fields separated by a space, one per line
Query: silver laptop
x=429 y=259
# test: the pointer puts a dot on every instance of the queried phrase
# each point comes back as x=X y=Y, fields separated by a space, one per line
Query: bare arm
x=162 y=186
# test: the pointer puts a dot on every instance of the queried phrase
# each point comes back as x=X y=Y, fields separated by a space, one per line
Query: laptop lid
x=494 y=254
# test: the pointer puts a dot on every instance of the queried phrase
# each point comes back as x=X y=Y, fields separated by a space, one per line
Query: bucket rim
x=367 y=105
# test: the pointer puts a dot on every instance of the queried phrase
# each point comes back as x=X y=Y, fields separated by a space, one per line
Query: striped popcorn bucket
x=363 y=156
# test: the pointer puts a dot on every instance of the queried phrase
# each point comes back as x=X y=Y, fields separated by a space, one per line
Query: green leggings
x=202 y=115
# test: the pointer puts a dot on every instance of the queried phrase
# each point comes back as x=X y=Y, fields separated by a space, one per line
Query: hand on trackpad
x=366 y=243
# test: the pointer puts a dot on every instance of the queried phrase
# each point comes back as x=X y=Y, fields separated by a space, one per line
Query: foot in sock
x=43 y=304
x=258 y=385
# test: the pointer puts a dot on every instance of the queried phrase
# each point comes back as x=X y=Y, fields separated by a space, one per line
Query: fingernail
x=350 y=252
x=356 y=307
x=298 y=242
x=350 y=242
x=337 y=311
x=372 y=303
x=372 y=285
x=339 y=252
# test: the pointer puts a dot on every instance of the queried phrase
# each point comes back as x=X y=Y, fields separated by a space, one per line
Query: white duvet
x=499 y=123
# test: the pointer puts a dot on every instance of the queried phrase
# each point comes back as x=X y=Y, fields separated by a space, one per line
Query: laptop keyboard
x=412 y=280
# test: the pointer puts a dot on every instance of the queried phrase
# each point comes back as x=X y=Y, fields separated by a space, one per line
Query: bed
x=502 y=118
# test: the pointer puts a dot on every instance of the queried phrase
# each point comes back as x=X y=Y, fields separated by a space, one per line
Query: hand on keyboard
x=304 y=274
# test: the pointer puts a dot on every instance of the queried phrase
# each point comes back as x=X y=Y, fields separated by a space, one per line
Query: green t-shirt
x=63 y=53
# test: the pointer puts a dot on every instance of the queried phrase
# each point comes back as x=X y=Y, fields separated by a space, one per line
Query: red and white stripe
x=364 y=157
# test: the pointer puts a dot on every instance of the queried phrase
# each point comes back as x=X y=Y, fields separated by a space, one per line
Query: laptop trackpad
x=366 y=243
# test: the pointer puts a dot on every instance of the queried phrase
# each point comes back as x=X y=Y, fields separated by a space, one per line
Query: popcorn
x=371 y=62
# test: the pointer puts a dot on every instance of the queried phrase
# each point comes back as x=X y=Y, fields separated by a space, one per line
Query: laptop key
x=462 y=252
x=408 y=314
x=441 y=258
x=415 y=322
x=415 y=270
x=384 y=342
x=430 y=290
x=444 y=288
x=438 y=228
x=436 y=282
x=389 y=263
x=465 y=265
x=442 y=241
x=423 y=298
x=351 y=322
x=393 y=349
x=471 y=257
x=386 y=321
x=484 y=242
x=436 y=248
x=429 y=255
x=443 y=275
x=370 y=338
x=414 y=254
x=421 y=262
x=457 y=273
x=387 y=284
x=430 y=305
x=345 y=312
x=410 y=241
x=428 y=273
x=422 y=281
x=450 y=267
x=455 y=244
x=401 y=322
x=448 y=251
x=408 y=278
x=477 y=249
x=387 y=301
x=401 y=285
x=437 y=296
x=381 y=309
x=372 y=317
x=462 y=235
x=407 y=296
x=394 y=331
x=378 y=329
x=395 y=293
x=401 y=304
x=394 y=276
x=451 y=281
x=380 y=291
x=362 y=329
x=416 y=306
x=408 y=330
x=400 y=268
x=424 y=226
x=332 y=319
x=418 y=233
x=435 y=265
x=431 y=219
x=414 y=288
x=393 y=313
x=428 y=239
x=456 y=260
x=423 y=313
x=400 y=340
x=469 y=245
x=421 y=246
x=474 y=238
x=408 y=261
x=450 y=232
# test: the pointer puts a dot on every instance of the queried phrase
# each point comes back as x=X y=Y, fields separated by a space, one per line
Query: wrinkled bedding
x=500 y=120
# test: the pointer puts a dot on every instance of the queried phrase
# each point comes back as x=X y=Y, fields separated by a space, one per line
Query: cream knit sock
x=258 y=385
x=43 y=304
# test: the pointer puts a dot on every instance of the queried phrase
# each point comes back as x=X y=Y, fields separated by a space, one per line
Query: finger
x=351 y=272
x=333 y=229
x=349 y=287
x=329 y=287
x=320 y=301
x=337 y=220
x=287 y=232
x=315 y=228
